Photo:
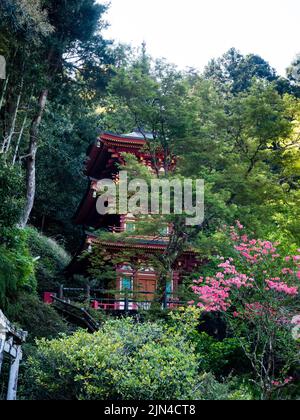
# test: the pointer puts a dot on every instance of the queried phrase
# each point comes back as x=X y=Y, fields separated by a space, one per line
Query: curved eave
x=137 y=244
x=121 y=139
x=100 y=153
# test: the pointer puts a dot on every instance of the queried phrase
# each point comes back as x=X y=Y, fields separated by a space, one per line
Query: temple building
x=103 y=161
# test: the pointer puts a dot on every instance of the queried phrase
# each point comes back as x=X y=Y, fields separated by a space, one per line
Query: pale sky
x=191 y=32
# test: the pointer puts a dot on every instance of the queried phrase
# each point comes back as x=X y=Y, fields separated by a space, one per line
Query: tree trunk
x=7 y=143
x=4 y=92
x=31 y=158
x=19 y=140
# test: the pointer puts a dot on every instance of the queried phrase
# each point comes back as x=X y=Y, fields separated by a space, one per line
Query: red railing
x=115 y=300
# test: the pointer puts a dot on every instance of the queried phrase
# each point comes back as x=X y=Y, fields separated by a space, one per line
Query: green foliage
x=52 y=259
x=230 y=390
x=242 y=154
x=294 y=73
x=243 y=144
x=150 y=96
x=56 y=47
x=234 y=72
x=68 y=130
x=32 y=315
x=25 y=17
x=17 y=269
x=128 y=361
x=29 y=260
x=11 y=190
x=16 y=264
x=219 y=357
x=232 y=126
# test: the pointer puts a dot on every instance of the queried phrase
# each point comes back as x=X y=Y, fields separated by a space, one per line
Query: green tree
x=242 y=147
x=67 y=49
x=233 y=72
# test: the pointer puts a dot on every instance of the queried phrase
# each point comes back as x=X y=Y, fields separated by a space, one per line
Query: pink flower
x=275 y=383
x=275 y=256
x=244 y=238
x=255 y=258
x=296 y=320
x=282 y=288
x=239 y=225
x=234 y=237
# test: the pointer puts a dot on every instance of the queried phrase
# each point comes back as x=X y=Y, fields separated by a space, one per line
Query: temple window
x=169 y=288
x=126 y=283
x=130 y=227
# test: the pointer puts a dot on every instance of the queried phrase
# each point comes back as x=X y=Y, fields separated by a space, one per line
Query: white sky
x=191 y=32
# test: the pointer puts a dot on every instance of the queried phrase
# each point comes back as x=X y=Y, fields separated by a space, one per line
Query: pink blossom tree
x=257 y=290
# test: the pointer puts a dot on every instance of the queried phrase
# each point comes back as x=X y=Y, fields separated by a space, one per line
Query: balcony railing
x=116 y=300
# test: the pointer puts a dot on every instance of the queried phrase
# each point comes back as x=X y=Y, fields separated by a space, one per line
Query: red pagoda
x=103 y=161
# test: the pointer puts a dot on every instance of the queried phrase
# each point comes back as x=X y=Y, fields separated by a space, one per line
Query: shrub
x=231 y=390
x=16 y=264
x=220 y=357
x=52 y=259
x=11 y=198
x=34 y=316
x=123 y=361
x=257 y=291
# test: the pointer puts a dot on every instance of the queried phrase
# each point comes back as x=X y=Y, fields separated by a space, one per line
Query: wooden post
x=126 y=305
x=165 y=300
x=61 y=292
x=88 y=293
x=13 y=375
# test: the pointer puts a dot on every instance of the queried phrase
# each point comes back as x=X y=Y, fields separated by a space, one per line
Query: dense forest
x=236 y=125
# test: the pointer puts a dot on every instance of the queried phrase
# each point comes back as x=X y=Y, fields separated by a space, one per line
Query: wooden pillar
x=126 y=303
x=165 y=300
x=13 y=375
x=88 y=293
x=61 y=292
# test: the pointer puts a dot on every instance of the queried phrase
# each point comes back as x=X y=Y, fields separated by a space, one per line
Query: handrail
x=92 y=323
x=130 y=299
x=113 y=292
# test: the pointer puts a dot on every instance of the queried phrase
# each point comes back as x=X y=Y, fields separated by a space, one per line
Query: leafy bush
x=257 y=292
x=16 y=264
x=34 y=316
x=231 y=389
x=219 y=357
x=52 y=260
x=11 y=199
x=29 y=260
x=123 y=361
